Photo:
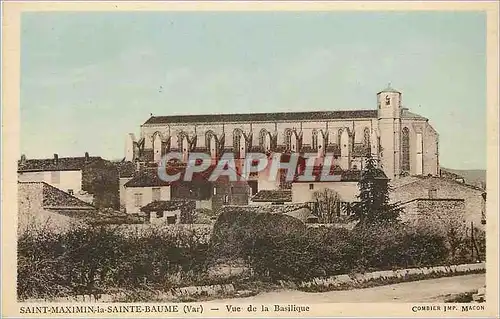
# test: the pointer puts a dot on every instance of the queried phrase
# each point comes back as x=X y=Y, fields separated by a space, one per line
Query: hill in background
x=476 y=177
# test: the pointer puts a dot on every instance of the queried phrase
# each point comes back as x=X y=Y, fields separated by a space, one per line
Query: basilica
x=404 y=142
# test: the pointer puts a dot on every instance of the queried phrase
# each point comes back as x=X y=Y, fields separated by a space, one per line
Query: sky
x=90 y=78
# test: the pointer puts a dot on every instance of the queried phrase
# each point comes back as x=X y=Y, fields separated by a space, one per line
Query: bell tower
x=389 y=124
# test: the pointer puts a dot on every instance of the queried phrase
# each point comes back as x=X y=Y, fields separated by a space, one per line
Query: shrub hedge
x=92 y=260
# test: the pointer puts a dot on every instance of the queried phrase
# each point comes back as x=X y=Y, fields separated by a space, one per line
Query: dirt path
x=431 y=290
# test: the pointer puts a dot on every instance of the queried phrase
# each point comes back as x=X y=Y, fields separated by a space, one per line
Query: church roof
x=261 y=117
x=410 y=115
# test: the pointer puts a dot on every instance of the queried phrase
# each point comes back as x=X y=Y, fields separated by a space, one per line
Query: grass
x=464 y=297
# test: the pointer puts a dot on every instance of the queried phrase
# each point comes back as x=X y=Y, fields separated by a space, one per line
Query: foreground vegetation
x=93 y=260
x=267 y=249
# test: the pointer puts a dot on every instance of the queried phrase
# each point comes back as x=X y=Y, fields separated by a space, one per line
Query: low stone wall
x=182 y=292
x=339 y=282
x=172 y=294
x=399 y=275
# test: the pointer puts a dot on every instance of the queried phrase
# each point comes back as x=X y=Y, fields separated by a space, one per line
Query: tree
x=373 y=206
x=101 y=179
x=327 y=205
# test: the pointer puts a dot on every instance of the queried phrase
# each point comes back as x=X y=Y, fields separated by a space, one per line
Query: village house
x=41 y=204
x=126 y=171
x=146 y=187
x=64 y=173
x=426 y=195
x=170 y=212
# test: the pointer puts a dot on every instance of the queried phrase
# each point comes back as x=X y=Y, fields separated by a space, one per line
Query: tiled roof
x=433 y=200
x=416 y=178
x=342 y=175
x=55 y=198
x=50 y=164
x=273 y=196
x=169 y=205
x=149 y=177
x=260 y=117
x=146 y=178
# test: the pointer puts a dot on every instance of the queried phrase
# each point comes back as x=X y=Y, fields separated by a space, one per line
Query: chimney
x=86 y=157
x=23 y=159
x=56 y=159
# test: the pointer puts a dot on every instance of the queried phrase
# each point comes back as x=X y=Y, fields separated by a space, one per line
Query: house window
x=138 y=200
x=226 y=199
x=171 y=219
x=55 y=177
x=156 y=194
x=70 y=191
x=311 y=186
x=159 y=214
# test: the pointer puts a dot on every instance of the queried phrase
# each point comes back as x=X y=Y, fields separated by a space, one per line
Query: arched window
x=322 y=141
x=288 y=138
x=294 y=142
x=211 y=143
x=208 y=139
x=180 y=140
x=239 y=143
x=236 y=140
x=339 y=137
x=157 y=146
x=366 y=138
x=262 y=137
x=405 y=145
x=183 y=144
x=265 y=140
x=344 y=143
x=314 y=142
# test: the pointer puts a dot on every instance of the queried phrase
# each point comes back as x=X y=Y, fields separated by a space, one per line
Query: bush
x=332 y=251
x=91 y=260
x=236 y=229
x=397 y=246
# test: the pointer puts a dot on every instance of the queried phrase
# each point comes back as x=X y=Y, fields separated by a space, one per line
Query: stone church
x=404 y=142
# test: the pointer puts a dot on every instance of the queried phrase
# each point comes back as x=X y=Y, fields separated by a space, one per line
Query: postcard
x=249 y=159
